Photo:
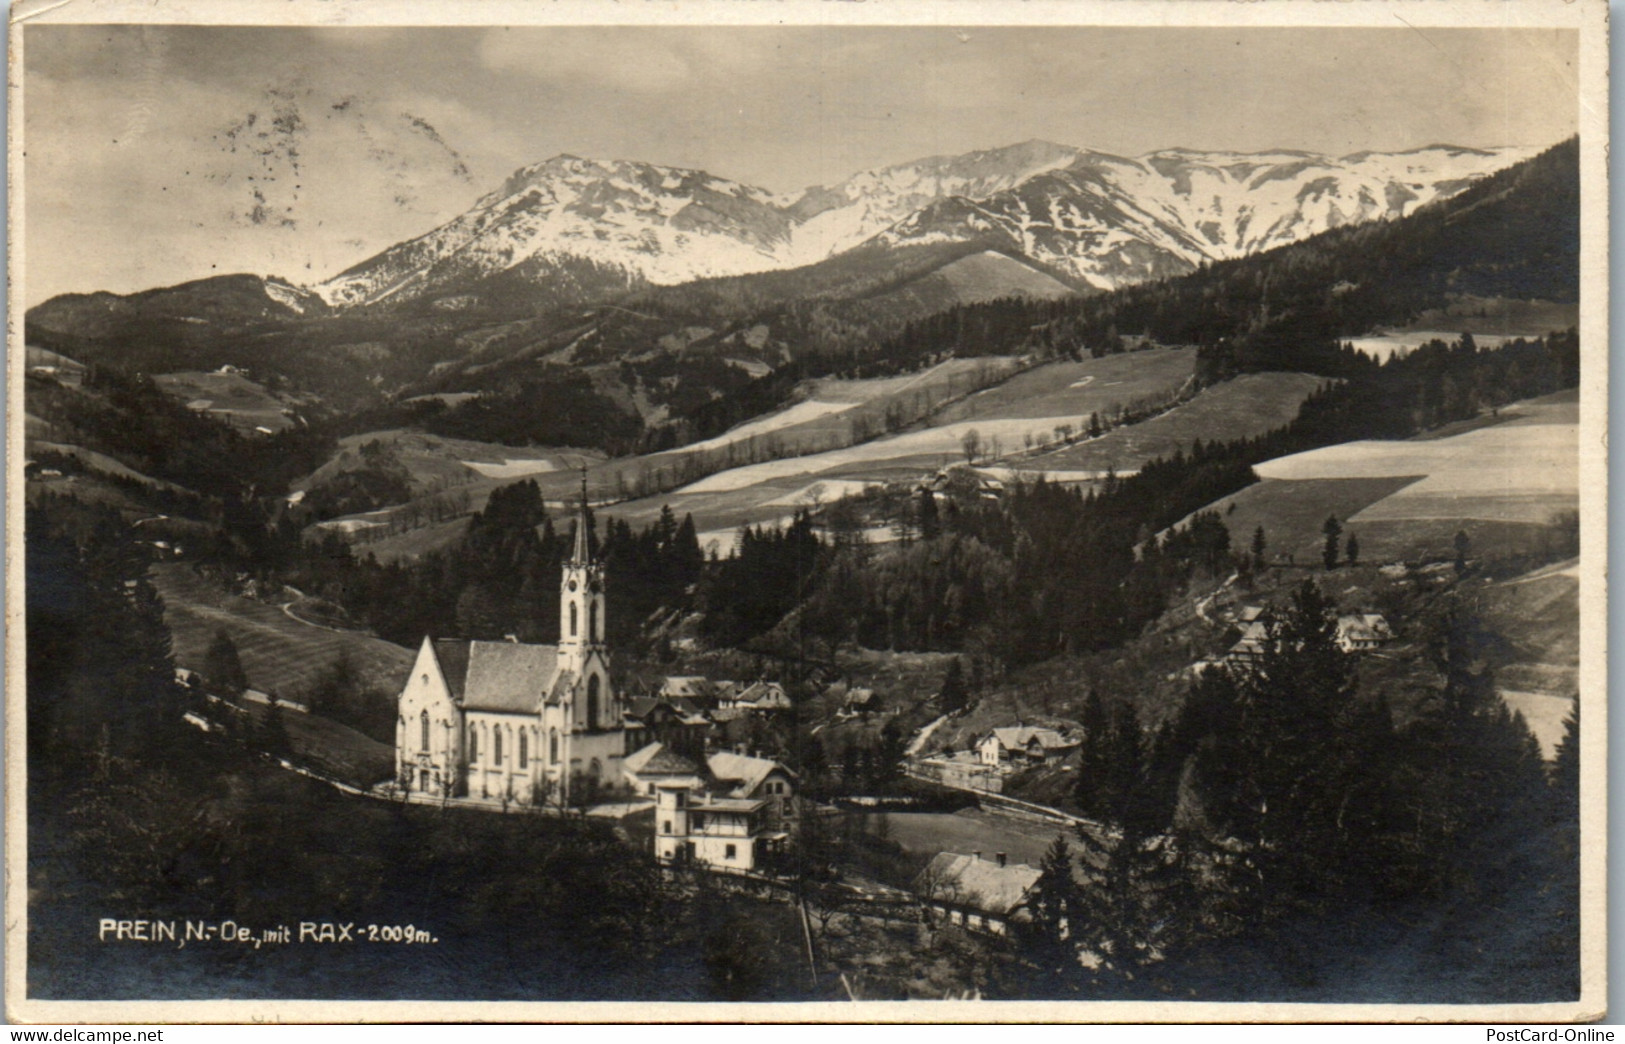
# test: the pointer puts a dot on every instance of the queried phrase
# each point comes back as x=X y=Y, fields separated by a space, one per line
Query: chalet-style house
x=513 y=721
x=1019 y=744
x=729 y=811
x=1362 y=632
x=983 y=895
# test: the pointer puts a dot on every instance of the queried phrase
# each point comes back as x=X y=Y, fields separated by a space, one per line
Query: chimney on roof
x=977 y=854
x=1001 y=858
x=514 y=638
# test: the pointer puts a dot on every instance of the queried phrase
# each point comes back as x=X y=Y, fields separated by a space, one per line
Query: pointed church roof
x=508 y=676
x=581 y=555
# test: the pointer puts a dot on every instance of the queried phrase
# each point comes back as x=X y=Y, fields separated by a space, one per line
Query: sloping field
x=281 y=655
x=978 y=277
x=1491 y=321
x=327 y=746
x=800 y=413
x=1524 y=470
x=1074 y=390
x=1249 y=405
x=1292 y=512
x=834 y=389
x=243 y=403
x=101 y=462
x=833 y=407
x=1539 y=615
x=1406 y=499
x=436 y=461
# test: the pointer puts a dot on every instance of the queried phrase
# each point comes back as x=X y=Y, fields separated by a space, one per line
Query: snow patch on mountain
x=1107 y=220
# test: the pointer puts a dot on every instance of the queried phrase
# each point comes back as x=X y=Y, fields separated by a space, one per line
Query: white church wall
x=427 y=767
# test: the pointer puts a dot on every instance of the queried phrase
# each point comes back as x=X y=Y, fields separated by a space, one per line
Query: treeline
x=1283 y=797
x=557 y=407
x=1047 y=569
x=127 y=417
x=128 y=803
x=502 y=577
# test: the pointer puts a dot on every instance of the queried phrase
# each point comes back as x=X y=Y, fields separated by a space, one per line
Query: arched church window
x=473 y=743
x=524 y=750
x=496 y=746
x=423 y=721
x=553 y=747
x=592 y=623
x=572 y=619
x=592 y=701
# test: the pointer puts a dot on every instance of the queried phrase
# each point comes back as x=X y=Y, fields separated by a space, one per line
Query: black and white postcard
x=811 y=511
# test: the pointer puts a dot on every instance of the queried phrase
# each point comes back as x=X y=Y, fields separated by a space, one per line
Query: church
x=518 y=722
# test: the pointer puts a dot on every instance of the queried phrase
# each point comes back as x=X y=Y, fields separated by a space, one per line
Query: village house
x=1362 y=632
x=697 y=827
x=1018 y=744
x=697 y=690
x=984 y=895
x=512 y=721
x=732 y=811
x=672 y=722
x=758 y=696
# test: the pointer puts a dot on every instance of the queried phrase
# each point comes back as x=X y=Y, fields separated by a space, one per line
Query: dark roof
x=641 y=706
x=508 y=676
x=453 y=657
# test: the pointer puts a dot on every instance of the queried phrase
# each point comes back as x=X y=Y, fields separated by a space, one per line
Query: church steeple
x=581 y=597
x=582 y=555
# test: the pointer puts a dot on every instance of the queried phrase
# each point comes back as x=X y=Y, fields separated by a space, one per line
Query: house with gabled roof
x=514 y=721
x=732 y=815
x=760 y=696
x=1021 y=743
x=980 y=894
x=1362 y=632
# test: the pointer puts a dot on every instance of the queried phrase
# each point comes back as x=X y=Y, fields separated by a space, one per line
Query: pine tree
x=1351 y=550
x=1047 y=939
x=222 y=667
x=952 y=697
x=1332 y=529
x=1259 y=545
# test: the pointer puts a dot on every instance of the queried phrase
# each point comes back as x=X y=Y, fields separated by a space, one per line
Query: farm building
x=1021 y=743
x=980 y=894
x=517 y=721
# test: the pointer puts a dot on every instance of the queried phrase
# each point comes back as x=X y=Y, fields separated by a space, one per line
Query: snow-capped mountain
x=830 y=220
x=1108 y=220
x=1112 y=221
x=665 y=224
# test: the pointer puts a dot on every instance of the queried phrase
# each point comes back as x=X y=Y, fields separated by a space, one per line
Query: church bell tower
x=581 y=600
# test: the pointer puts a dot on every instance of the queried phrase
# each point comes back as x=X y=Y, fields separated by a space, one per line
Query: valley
x=1030 y=463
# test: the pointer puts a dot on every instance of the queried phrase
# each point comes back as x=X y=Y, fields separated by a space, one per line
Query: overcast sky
x=146 y=165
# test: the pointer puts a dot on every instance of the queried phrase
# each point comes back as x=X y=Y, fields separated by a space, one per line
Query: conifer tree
x=222 y=667
x=1332 y=530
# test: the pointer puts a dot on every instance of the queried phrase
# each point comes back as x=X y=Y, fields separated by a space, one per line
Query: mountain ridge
x=1108 y=220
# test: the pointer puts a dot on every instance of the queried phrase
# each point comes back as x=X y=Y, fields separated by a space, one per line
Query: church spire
x=582 y=553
